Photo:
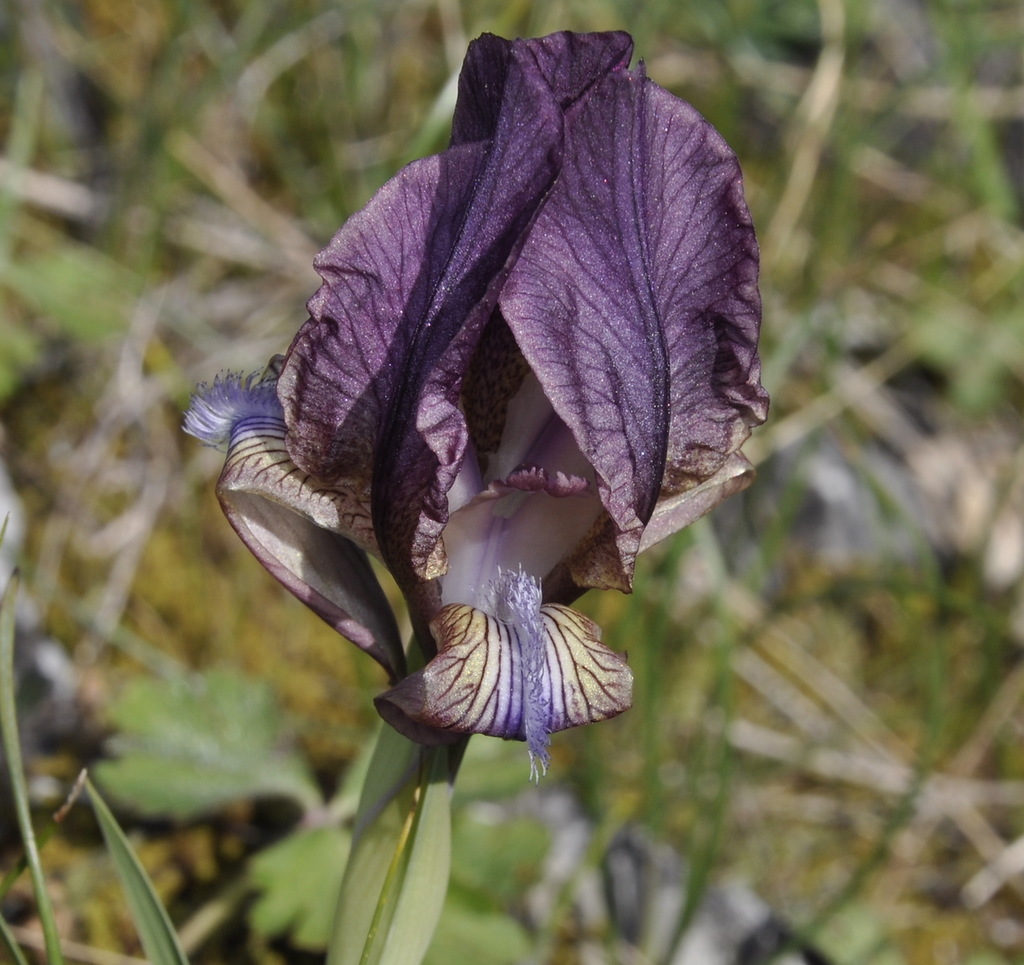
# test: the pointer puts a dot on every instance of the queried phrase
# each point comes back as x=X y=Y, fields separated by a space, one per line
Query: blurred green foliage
x=298 y=880
x=828 y=674
x=186 y=746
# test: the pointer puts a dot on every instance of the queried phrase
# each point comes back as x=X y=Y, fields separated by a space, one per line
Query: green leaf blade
x=151 y=920
x=397 y=875
x=424 y=884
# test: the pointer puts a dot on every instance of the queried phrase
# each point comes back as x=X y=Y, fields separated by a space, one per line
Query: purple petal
x=408 y=283
x=676 y=510
x=323 y=569
x=371 y=386
x=570 y=63
x=518 y=670
x=231 y=404
x=635 y=300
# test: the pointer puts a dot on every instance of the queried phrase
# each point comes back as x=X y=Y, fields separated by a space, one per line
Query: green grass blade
x=151 y=921
x=7 y=942
x=19 y=789
x=44 y=835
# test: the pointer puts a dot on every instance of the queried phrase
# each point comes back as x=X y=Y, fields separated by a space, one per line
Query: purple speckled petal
x=635 y=300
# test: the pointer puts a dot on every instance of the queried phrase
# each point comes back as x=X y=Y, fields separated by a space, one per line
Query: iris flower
x=532 y=356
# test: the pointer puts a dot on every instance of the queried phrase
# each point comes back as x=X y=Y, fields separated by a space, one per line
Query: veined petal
x=570 y=63
x=311 y=537
x=539 y=504
x=522 y=671
x=371 y=385
x=676 y=510
x=635 y=303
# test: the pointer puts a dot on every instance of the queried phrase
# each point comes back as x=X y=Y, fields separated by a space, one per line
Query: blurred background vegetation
x=829 y=671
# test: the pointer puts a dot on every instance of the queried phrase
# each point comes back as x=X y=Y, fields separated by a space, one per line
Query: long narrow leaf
x=383 y=805
x=424 y=883
x=42 y=837
x=151 y=921
x=8 y=943
x=12 y=751
x=19 y=866
x=397 y=874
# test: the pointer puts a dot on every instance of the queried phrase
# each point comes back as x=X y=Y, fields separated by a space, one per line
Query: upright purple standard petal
x=371 y=387
x=417 y=269
x=570 y=63
x=635 y=303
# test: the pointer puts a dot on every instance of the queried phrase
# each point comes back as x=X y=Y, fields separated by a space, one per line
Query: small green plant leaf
x=299 y=879
x=154 y=927
x=397 y=875
x=857 y=933
x=195 y=743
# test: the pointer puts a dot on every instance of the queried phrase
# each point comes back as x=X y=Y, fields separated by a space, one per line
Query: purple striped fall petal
x=312 y=537
x=517 y=669
x=532 y=356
